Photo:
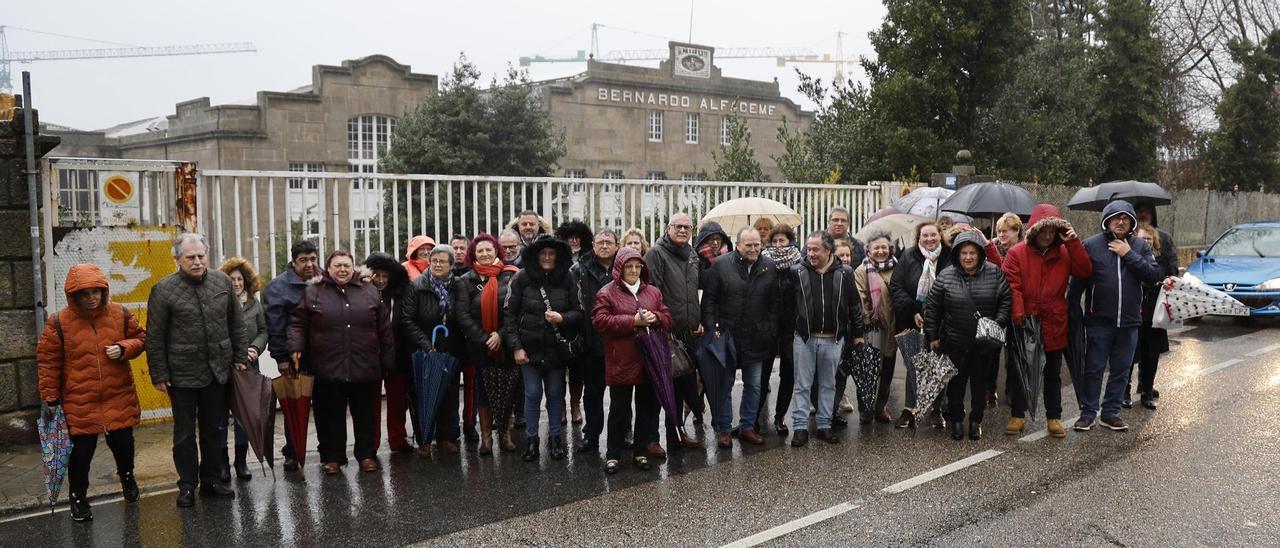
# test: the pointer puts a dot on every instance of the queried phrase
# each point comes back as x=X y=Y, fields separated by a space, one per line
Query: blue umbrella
x=55 y=449
x=431 y=372
x=717 y=358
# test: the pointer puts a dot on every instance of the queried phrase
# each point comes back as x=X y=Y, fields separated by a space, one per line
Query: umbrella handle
x=435 y=331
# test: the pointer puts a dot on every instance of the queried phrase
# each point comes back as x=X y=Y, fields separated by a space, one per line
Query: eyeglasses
x=606 y=243
x=682 y=227
x=440 y=261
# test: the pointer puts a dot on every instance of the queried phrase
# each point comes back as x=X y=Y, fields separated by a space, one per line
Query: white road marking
x=63 y=507
x=1262 y=351
x=940 y=472
x=795 y=525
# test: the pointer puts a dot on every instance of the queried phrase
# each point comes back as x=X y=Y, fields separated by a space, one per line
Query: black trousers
x=593 y=399
x=786 y=380
x=1148 y=359
x=646 y=418
x=887 y=364
x=975 y=369
x=205 y=408
x=1052 y=384
x=83 y=447
x=331 y=400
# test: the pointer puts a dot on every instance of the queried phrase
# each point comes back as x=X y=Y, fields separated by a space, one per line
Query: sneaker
x=80 y=510
x=1015 y=426
x=1083 y=424
x=1115 y=423
x=1055 y=428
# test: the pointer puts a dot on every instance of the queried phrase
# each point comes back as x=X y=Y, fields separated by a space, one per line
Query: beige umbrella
x=735 y=214
x=901 y=228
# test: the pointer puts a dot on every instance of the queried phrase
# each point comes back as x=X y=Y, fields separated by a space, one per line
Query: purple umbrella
x=657 y=360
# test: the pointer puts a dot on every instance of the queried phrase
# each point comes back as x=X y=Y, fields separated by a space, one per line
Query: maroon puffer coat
x=614 y=316
x=344 y=332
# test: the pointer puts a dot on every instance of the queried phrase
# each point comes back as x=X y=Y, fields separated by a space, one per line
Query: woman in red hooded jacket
x=1038 y=269
x=621 y=309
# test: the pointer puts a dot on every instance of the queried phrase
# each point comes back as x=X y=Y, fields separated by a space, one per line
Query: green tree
x=1245 y=149
x=737 y=160
x=1131 y=74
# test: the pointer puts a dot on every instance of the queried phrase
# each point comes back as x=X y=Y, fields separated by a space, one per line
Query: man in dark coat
x=673 y=268
x=195 y=333
x=740 y=298
x=279 y=298
x=590 y=274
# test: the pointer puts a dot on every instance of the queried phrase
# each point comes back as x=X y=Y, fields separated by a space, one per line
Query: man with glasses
x=838 y=224
x=673 y=269
x=593 y=272
x=510 y=241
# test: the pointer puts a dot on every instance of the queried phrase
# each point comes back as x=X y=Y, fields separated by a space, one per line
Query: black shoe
x=520 y=422
x=532 y=450
x=226 y=473
x=957 y=430
x=557 y=449
x=290 y=464
x=80 y=510
x=800 y=438
x=975 y=430
x=186 y=498
x=780 y=427
x=404 y=449
x=1149 y=402
x=216 y=490
x=241 y=466
x=838 y=423
x=129 y=487
x=825 y=434
x=1127 y=403
x=937 y=421
x=470 y=433
x=589 y=447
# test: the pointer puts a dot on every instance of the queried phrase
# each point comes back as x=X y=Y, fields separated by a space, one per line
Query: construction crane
x=7 y=58
x=838 y=59
x=781 y=54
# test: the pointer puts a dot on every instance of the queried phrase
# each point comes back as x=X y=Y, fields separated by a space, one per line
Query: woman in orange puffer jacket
x=84 y=356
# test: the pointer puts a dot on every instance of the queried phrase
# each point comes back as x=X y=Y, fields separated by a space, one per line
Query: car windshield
x=1248 y=242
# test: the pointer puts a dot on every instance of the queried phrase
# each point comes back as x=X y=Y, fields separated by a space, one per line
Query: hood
x=399 y=276
x=709 y=229
x=416 y=243
x=564 y=255
x=1119 y=207
x=575 y=228
x=1045 y=217
x=625 y=254
x=968 y=238
x=86 y=276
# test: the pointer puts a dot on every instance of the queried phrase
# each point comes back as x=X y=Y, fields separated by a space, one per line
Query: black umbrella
x=990 y=199
x=431 y=374
x=1076 y=346
x=1096 y=198
x=718 y=357
x=1029 y=359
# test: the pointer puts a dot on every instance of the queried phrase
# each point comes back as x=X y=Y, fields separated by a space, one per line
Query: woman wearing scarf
x=244 y=281
x=416 y=262
x=781 y=247
x=427 y=304
x=872 y=279
x=478 y=297
x=909 y=287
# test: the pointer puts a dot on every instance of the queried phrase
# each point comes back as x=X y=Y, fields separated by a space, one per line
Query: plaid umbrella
x=933 y=370
x=1028 y=357
x=431 y=373
x=294 y=393
x=251 y=405
x=718 y=358
x=861 y=363
x=55 y=448
x=657 y=360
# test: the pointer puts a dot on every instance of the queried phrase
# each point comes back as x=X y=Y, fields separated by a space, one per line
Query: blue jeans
x=815 y=361
x=1107 y=344
x=749 y=407
x=535 y=379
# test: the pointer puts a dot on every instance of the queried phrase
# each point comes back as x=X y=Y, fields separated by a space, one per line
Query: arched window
x=368 y=137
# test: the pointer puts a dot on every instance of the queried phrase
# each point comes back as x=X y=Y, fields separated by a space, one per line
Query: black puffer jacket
x=905 y=280
x=949 y=311
x=588 y=277
x=466 y=304
x=807 y=297
x=419 y=314
x=674 y=271
x=524 y=324
x=744 y=305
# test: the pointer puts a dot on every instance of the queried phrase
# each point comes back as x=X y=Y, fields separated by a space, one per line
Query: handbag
x=681 y=362
x=990 y=333
x=569 y=350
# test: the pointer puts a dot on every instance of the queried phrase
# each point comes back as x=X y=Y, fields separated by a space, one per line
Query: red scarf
x=490 y=304
x=416 y=267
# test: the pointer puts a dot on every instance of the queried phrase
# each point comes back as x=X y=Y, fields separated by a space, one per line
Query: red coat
x=613 y=317
x=1039 y=279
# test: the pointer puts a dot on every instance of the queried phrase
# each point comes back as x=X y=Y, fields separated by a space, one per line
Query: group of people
x=534 y=315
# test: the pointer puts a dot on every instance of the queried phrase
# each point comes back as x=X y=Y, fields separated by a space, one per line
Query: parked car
x=1244 y=262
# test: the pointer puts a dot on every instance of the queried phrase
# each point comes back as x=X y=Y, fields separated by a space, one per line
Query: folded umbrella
x=656 y=350
x=980 y=199
x=1029 y=359
x=1190 y=298
x=294 y=393
x=252 y=405
x=431 y=373
x=1077 y=344
x=55 y=449
x=717 y=358
x=933 y=371
x=861 y=363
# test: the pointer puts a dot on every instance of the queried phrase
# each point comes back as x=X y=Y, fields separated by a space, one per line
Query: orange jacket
x=97 y=392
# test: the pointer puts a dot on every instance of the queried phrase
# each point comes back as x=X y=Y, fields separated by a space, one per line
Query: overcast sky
x=291 y=36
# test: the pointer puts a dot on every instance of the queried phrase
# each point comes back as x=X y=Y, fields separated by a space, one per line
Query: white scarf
x=634 y=289
x=928 y=273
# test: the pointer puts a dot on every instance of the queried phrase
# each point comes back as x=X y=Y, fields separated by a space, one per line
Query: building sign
x=685 y=101
x=118 y=202
x=692 y=62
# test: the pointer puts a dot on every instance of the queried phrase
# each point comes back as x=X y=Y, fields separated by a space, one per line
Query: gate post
x=184 y=181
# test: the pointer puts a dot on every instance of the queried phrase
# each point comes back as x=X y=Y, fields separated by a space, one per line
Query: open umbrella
x=656 y=349
x=925 y=202
x=718 y=357
x=735 y=214
x=55 y=449
x=1077 y=344
x=1029 y=360
x=1190 y=298
x=253 y=407
x=882 y=213
x=979 y=199
x=294 y=393
x=431 y=373
x=1096 y=198
x=900 y=226
x=933 y=371
x=862 y=364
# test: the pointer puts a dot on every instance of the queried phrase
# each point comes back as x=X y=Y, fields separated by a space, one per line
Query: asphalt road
x=1200 y=471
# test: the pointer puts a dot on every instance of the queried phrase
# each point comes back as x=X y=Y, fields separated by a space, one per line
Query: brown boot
x=505 y=440
x=486 y=431
x=575 y=402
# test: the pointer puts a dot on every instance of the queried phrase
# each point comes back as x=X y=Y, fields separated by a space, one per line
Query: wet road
x=1201 y=470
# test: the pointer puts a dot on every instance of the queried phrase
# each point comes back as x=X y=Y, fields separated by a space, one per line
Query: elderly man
x=740 y=298
x=593 y=272
x=838 y=224
x=673 y=269
x=510 y=242
x=195 y=335
x=822 y=295
x=281 y=295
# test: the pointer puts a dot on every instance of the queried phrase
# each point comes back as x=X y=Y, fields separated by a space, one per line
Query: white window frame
x=724 y=131
x=655 y=126
x=613 y=174
x=656 y=176
x=575 y=174
x=691 y=128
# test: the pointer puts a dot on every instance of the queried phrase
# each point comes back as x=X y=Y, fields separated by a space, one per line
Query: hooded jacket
x=812 y=296
x=709 y=229
x=588 y=277
x=742 y=303
x=415 y=243
x=949 y=311
x=614 y=315
x=344 y=331
x=524 y=323
x=391 y=295
x=674 y=271
x=1113 y=291
x=97 y=392
x=1038 y=278
x=195 y=330
x=583 y=232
